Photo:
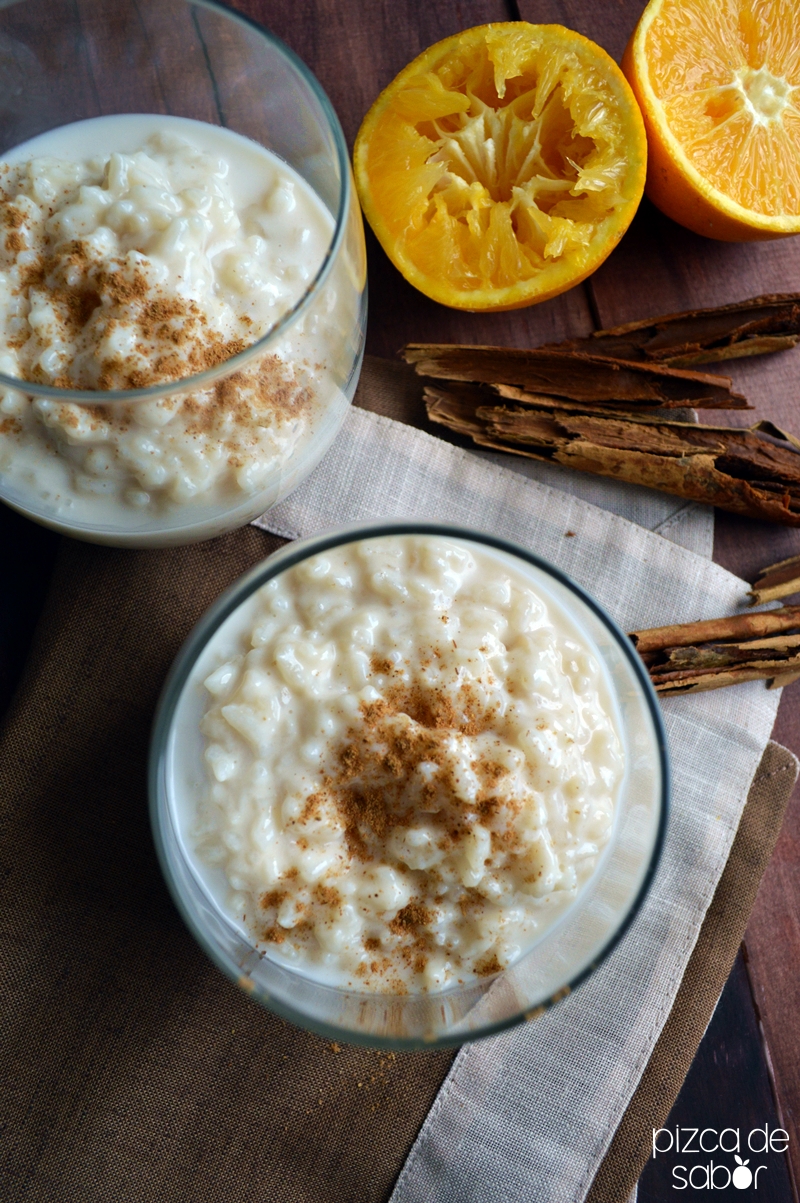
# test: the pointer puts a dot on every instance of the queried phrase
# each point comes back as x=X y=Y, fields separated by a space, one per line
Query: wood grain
x=772 y=941
x=609 y=23
x=356 y=48
x=75 y=69
x=162 y=46
x=35 y=84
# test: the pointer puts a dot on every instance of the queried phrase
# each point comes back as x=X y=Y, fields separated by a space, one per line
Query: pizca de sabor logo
x=698 y=1169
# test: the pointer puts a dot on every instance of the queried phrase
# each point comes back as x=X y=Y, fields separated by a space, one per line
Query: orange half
x=718 y=82
x=503 y=165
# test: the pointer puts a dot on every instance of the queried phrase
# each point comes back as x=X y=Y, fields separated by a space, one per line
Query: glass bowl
x=178 y=59
x=563 y=956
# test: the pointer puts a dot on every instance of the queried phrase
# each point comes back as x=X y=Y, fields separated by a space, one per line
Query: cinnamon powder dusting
x=392 y=769
x=96 y=303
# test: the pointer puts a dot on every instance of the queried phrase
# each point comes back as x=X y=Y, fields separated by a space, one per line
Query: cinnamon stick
x=725 y=655
x=784 y=678
x=757 y=326
x=753 y=471
x=696 y=656
x=736 y=627
x=778 y=580
x=703 y=680
x=575 y=375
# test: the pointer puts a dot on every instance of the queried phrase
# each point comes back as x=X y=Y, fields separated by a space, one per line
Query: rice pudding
x=412 y=763
x=137 y=250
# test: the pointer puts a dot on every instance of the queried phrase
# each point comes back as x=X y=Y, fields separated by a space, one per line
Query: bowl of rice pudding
x=182 y=271
x=408 y=784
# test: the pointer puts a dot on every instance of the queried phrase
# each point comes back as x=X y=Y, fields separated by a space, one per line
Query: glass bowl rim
x=202 y=379
x=288 y=556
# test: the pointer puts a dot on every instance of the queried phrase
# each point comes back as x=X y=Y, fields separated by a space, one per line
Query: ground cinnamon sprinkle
x=491 y=771
x=488 y=965
x=171 y=336
x=327 y=895
x=412 y=916
x=350 y=762
x=368 y=786
x=313 y=807
x=373 y=712
x=10 y=216
x=393 y=754
x=470 y=900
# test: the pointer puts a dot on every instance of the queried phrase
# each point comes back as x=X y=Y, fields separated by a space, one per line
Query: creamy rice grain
x=412 y=765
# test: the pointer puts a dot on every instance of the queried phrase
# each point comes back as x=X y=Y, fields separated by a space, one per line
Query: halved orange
x=718 y=82
x=502 y=165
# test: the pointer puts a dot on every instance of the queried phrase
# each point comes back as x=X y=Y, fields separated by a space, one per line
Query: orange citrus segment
x=502 y=165
x=719 y=85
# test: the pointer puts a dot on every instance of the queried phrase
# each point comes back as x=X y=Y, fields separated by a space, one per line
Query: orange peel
x=718 y=83
x=502 y=165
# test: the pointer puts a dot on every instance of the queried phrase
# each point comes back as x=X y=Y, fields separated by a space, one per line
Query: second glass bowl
x=557 y=962
x=190 y=59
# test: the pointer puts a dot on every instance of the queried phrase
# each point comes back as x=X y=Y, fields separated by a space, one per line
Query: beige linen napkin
x=531 y=1113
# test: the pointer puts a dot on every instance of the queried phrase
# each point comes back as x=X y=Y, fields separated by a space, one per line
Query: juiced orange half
x=503 y=165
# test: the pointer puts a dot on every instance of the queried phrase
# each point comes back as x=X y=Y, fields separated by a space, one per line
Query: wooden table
x=747 y=1072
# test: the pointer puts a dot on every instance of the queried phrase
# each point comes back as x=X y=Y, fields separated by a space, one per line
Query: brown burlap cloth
x=132 y=1070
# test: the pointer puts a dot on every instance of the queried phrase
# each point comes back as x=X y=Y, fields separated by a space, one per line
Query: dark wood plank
x=43 y=70
x=727 y=1087
x=609 y=24
x=28 y=555
x=356 y=48
x=772 y=940
x=166 y=69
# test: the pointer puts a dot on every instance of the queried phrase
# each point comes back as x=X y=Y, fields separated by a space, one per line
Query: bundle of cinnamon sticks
x=606 y=404
x=779 y=580
x=695 y=656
